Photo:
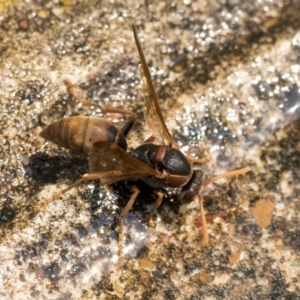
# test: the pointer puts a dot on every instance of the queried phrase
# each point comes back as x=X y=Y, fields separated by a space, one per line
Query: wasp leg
x=150 y=139
x=227 y=174
x=71 y=91
x=158 y=201
x=203 y=219
x=115 y=110
x=192 y=159
x=124 y=212
x=56 y=196
x=200 y=198
x=108 y=109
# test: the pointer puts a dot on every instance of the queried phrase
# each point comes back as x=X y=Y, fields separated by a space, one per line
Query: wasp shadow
x=45 y=169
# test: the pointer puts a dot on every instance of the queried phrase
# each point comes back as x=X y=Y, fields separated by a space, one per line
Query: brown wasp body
x=79 y=133
x=157 y=165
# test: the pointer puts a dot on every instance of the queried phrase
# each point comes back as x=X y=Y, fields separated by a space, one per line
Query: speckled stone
x=227 y=76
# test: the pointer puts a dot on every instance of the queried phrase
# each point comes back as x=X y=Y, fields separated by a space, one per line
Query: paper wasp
x=158 y=165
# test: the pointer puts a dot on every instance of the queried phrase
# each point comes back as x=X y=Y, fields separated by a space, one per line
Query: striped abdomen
x=80 y=132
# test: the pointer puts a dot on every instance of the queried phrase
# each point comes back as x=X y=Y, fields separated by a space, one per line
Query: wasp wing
x=115 y=164
x=153 y=113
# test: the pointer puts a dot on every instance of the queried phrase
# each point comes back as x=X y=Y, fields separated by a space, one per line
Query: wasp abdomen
x=80 y=132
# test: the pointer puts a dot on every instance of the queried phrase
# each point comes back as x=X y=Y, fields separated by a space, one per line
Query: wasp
x=160 y=165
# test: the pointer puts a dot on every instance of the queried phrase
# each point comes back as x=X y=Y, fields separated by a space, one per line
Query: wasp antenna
x=225 y=175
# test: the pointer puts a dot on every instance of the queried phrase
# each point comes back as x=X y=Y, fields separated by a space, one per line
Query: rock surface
x=227 y=76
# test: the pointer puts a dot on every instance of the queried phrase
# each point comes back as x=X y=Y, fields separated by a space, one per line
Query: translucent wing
x=116 y=164
x=153 y=114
